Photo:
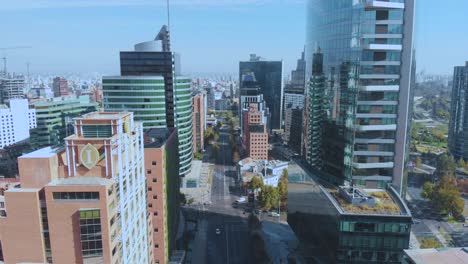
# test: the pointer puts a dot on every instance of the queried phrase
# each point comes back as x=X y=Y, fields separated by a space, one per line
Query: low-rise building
x=348 y=225
x=436 y=256
x=268 y=171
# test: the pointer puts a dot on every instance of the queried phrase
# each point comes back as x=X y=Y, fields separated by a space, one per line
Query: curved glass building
x=359 y=135
x=151 y=87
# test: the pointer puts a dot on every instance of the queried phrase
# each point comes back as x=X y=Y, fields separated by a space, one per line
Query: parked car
x=241 y=200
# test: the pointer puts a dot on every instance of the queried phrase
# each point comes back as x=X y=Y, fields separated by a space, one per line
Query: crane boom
x=4 y=57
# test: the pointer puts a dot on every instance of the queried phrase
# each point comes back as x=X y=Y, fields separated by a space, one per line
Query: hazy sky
x=211 y=35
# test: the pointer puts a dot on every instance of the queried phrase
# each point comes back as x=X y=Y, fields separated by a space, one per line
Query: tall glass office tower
x=458 y=129
x=151 y=86
x=367 y=62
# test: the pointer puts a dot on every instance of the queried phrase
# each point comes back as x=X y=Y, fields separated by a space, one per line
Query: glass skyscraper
x=269 y=77
x=458 y=129
x=150 y=85
x=367 y=60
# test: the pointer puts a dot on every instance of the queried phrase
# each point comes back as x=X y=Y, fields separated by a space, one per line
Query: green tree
x=430 y=243
x=283 y=188
x=428 y=189
x=198 y=155
x=269 y=197
x=255 y=183
x=445 y=165
x=445 y=196
x=209 y=134
x=182 y=198
x=461 y=164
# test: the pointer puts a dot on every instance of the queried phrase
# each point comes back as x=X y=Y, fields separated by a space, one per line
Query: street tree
x=461 y=164
x=269 y=197
x=283 y=188
x=445 y=165
x=445 y=196
x=430 y=243
x=235 y=157
x=255 y=183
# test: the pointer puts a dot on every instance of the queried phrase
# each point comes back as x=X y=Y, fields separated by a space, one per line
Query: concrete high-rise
x=162 y=181
x=150 y=85
x=199 y=122
x=54 y=119
x=269 y=78
x=367 y=71
x=60 y=87
x=11 y=86
x=255 y=133
x=84 y=203
x=458 y=127
x=15 y=122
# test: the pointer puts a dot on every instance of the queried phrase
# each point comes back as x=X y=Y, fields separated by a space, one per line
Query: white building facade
x=15 y=122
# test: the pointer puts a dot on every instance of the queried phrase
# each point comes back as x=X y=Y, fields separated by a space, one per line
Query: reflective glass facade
x=458 y=131
x=269 y=77
x=358 y=121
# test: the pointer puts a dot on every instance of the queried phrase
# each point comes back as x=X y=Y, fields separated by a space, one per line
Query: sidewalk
x=199 y=248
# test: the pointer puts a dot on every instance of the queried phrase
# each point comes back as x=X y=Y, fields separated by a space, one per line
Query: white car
x=241 y=200
x=218 y=231
x=274 y=214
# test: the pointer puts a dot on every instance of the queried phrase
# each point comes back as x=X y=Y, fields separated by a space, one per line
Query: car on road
x=274 y=214
x=241 y=200
x=218 y=231
x=465 y=225
x=416 y=222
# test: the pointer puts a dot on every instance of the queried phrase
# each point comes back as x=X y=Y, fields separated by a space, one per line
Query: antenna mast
x=168 y=17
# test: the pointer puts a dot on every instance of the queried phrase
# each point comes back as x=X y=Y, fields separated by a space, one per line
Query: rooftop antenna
x=168 y=17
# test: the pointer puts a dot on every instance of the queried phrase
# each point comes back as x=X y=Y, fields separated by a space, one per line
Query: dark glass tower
x=458 y=128
x=367 y=61
x=269 y=77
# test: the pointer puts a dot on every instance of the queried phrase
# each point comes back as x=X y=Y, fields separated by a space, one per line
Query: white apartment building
x=15 y=122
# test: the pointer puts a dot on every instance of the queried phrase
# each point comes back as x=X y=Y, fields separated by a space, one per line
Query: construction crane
x=4 y=56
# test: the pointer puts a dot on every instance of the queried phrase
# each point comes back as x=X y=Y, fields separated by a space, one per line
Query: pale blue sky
x=211 y=35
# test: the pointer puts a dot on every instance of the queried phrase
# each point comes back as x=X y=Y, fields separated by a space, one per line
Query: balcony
x=383 y=5
x=383 y=47
x=374 y=153
x=379 y=88
x=376 y=127
x=375 y=165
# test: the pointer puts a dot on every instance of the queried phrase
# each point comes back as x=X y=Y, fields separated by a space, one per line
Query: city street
x=232 y=244
x=428 y=224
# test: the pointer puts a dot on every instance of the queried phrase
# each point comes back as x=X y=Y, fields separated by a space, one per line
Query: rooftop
x=46 y=152
x=81 y=181
x=364 y=201
x=104 y=116
x=133 y=77
x=439 y=255
x=157 y=137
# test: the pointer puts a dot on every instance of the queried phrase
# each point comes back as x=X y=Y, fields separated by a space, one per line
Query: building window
x=156 y=230
x=90 y=233
x=155 y=197
x=150 y=205
x=148 y=171
x=153 y=163
x=155 y=213
x=155 y=180
x=76 y=195
x=150 y=189
x=156 y=245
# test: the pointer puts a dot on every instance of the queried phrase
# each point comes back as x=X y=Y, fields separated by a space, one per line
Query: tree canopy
x=269 y=197
x=445 y=196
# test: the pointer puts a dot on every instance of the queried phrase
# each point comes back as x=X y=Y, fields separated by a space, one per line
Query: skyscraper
x=85 y=203
x=199 y=117
x=60 y=87
x=150 y=85
x=251 y=94
x=458 y=127
x=162 y=181
x=11 y=86
x=367 y=62
x=269 y=78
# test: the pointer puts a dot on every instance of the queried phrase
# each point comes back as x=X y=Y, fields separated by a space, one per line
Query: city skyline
x=223 y=28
